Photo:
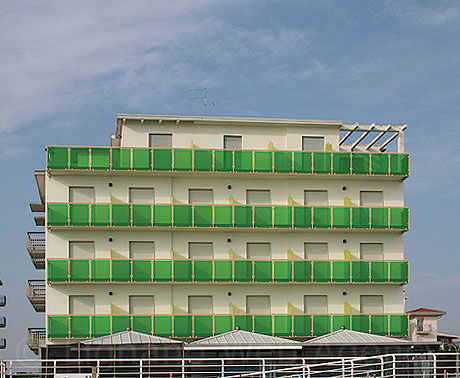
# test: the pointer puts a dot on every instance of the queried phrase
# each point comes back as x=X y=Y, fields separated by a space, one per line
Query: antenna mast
x=202 y=100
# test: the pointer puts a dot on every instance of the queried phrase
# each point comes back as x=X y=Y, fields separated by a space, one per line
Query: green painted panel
x=303 y=325
x=360 y=217
x=162 y=159
x=121 y=215
x=100 y=270
x=263 y=161
x=339 y=321
x=302 y=271
x=58 y=157
x=142 y=215
x=379 y=271
x=223 y=216
x=182 y=271
x=142 y=324
x=121 y=270
x=303 y=162
x=121 y=159
x=100 y=158
x=162 y=325
x=321 y=271
x=162 y=215
x=399 y=325
x=142 y=270
x=243 y=216
x=182 y=215
x=262 y=271
x=203 y=325
x=342 y=163
x=222 y=324
x=243 y=271
x=183 y=160
x=57 y=215
x=58 y=270
x=244 y=322
x=282 y=271
x=79 y=214
x=380 y=164
x=203 y=160
x=142 y=159
x=263 y=216
x=162 y=271
x=283 y=325
x=100 y=326
x=361 y=163
x=120 y=323
x=341 y=217
x=183 y=326
x=321 y=324
x=360 y=271
x=399 y=164
x=223 y=161
x=223 y=271
x=100 y=215
x=283 y=162
x=263 y=324
x=283 y=217
x=321 y=217
x=79 y=326
x=58 y=326
x=399 y=218
x=379 y=217
x=341 y=271
x=399 y=271
x=379 y=325
x=203 y=271
x=322 y=162
x=79 y=270
x=79 y=158
x=202 y=216
x=302 y=217
x=243 y=161
x=360 y=323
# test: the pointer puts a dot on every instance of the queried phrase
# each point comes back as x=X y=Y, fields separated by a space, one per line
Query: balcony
x=36 y=248
x=36 y=293
x=228 y=271
x=285 y=163
x=98 y=215
x=36 y=339
x=194 y=326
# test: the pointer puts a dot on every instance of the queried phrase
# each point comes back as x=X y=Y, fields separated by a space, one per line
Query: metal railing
x=36 y=338
x=36 y=293
x=36 y=247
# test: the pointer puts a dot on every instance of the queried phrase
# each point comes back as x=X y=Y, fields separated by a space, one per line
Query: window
x=200 y=251
x=160 y=140
x=315 y=198
x=141 y=304
x=200 y=196
x=81 y=304
x=233 y=142
x=83 y=194
x=81 y=249
x=258 y=304
x=371 y=251
x=315 y=304
x=313 y=143
x=142 y=250
x=141 y=195
x=258 y=251
x=419 y=325
x=316 y=251
x=257 y=197
x=371 y=304
x=200 y=304
x=371 y=199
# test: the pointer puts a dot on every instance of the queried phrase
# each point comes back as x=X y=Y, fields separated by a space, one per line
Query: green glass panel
x=342 y=163
x=183 y=160
x=379 y=271
x=223 y=216
x=58 y=157
x=79 y=270
x=162 y=325
x=243 y=216
x=399 y=218
x=142 y=215
x=79 y=214
x=322 y=162
x=339 y=321
x=243 y=161
x=202 y=216
x=100 y=215
x=57 y=215
x=203 y=325
x=183 y=326
x=244 y=322
x=341 y=217
x=182 y=271
x=100 y=158
x=203 y=271
x=341 y=271
x=321 y=271
x=120 y=323
x=263 y=324
x=121 y=270
x=162 y=271
x=100 y=270
x=360 y=271
x=243 y=271
x=379 y=325
x=399 y=271
x=162 y=159
x=283 y=217
x=263 y=161
x=262 y=271
x=100 y=326
x=223 y=161
x=79 y=327
x=360 y=323
x=361 y=163
x=302 y=271
x=142 y=324
x=223 y=271
x=321 y=324
x=162 y=215
x=399 y=325
x=302 y=217
x=303 y=326
x=321 y=217
x=283 y=271
x=58 y=270
x=283 y=325
x=58 y=327
x=142 y=159
x=283 y=162
x=142 y=270
x=399 y=164
x=203 y=160
x=182 y=216
x=360 y=217
x=79 y=158
x=121 y=159
x=263 y=216
x=302 y=162
x=121 y=215
x=222 y=324
x=379 y=164
x=379 y=217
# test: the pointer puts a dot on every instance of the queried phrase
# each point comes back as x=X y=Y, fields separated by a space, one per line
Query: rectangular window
x=258 y=304
x=371 y=199
x=83 y=194
x=315 y=304
x=160 y=140
x=142 y=250
x=233 y=142
x=316 y=251
x=81 y=249
x=200 y=196
x=258 y=251
x=312 y=143
x=316 y=198
x=258 y=197
x=371 y=304
x=200 y=251
x=141 y=304
x=371 y=251
x=141 y=195
x=81 y=304
x=200 y=304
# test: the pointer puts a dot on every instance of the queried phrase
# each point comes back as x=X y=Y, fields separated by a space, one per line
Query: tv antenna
x=201 y=100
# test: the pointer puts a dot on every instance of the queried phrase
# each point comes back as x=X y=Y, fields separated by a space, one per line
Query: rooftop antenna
x=201 y=100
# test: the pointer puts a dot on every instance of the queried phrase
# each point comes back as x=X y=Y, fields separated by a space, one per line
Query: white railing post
x=394 y=365
x=435 y=367
x=343 y=367
x=222 y=367
x=142 y=368
x=352 y=368
x=263 y=368
x=382 y=369
x=183 y=368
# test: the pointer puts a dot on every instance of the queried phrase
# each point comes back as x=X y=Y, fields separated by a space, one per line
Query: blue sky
x=67 y=68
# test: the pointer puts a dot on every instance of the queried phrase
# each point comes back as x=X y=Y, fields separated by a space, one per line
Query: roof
x=129 y=337
x=445 y=335
x=348 y=337
x=427 y=312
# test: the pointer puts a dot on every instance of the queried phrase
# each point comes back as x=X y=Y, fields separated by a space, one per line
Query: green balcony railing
x=194 y=326
x=226 y=216
x=227 y=271
x=236 y=161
